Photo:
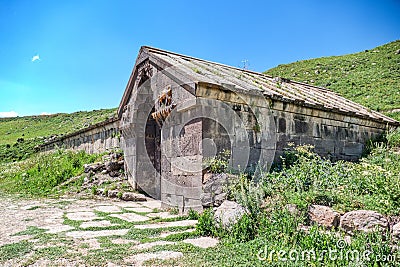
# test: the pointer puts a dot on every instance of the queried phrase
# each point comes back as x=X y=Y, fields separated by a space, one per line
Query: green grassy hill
x=371 y=77
x=18 y=136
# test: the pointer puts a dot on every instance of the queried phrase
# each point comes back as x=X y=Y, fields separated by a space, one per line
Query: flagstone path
x=89 y=232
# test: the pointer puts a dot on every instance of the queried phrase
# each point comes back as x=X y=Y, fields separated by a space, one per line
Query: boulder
x=206 y=177
x=396 y=230
x=363 y=220
x=324 y=216
x=228 y=213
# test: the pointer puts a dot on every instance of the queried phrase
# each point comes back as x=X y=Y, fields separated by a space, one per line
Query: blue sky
x=87 y=49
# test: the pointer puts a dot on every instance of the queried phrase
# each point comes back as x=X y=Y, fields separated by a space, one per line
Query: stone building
x=177 y=111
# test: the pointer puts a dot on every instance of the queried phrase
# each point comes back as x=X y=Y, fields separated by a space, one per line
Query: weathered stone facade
x=98 y=138
x=177 y=111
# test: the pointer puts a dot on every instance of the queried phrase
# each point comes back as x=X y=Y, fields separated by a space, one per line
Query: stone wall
x=334 y=134
x=98 y=138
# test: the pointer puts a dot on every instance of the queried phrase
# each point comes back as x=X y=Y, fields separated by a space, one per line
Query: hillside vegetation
x=371 y=77
x=19 y=136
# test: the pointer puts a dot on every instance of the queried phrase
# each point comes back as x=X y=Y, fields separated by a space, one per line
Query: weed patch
x=15 y=250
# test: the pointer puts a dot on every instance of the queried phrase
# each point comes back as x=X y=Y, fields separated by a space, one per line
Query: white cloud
x=45 y=113
x=35 y=57
x=8 y=114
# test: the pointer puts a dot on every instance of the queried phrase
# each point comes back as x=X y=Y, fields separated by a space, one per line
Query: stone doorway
x=153 y=149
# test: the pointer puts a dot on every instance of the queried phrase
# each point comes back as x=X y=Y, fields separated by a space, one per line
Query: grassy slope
x=371 y=77
x=35 y=126
x=19 y=136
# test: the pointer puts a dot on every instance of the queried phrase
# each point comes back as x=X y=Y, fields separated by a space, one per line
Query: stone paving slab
x=153 y=244
x=82 y=216
x=78 y=209
x=139 y=209
x=163 y=215
x=202 y=242
x=94 y=234
x=108 y=208
x=166 y=234
x=131 y=217
x=138 y=259
x=128 y=204
x=152 y=204
x=166 y=224
x=54 y=229
x=103 y=223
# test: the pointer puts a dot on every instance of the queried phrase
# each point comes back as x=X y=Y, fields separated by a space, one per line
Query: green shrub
x=249 y=193
x=193 y=215
x=206 y=224
x=245 y=229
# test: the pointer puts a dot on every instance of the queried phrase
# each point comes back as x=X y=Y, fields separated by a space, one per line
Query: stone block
x=172 y=201
x=192 y=203
x=186 y=165
x=353 y=149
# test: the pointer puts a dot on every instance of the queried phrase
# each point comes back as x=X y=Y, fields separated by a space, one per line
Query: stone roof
x=199 y=70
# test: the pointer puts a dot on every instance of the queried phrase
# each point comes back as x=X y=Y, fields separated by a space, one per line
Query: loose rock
x=111 y=166
x=324 y=216
x=94 y=167
x=396 y=230
x=229 y=213
x=363 y=220
x=129 y=196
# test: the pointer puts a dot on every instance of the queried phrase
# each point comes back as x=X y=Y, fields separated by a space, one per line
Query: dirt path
x=73 y=232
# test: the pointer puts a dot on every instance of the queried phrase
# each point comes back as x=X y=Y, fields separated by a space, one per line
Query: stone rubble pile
x=107 y=179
